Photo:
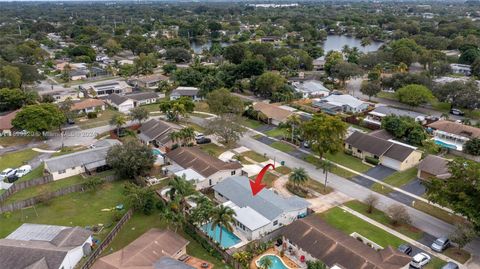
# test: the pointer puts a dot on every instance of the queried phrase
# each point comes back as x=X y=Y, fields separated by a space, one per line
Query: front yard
x=282 y=146
x=102 y=119
x=397 y=179
x=212 y=149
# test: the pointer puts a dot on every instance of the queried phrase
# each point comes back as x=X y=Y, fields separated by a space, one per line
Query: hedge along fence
x=18 y=186
x=41 y=198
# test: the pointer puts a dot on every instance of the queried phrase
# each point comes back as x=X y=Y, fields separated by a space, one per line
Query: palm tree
x=365 y=42
x=174 y=136
x=180 y=189
x=118 y=121
x=222 y=216
x=203 y=211
x=188 y=135
x=294 y=122
x=327 y=167
x=345 y=49
x=265 y=263
x=298 y=176
x=402 y=68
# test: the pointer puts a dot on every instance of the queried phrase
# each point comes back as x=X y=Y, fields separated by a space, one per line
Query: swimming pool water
x=445 y=145
x=156 y=152
x=276 y=262
x=228 y=238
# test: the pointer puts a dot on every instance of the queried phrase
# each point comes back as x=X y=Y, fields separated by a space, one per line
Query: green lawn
x=277 y=132
x=196 y=127
x=102 y=119
x=35 y=173
x=335 y=169
x=377 y=187
x=9 y=141
x=74 y=209
x=200 y=115
x=254 y=156
x=381 y=217
x=282 y=146
x=252 y=123
x=387 y=95
x=396 y=179
x=40 y=189
x=152 y=107
x=435 y=263
x=283 y=170
x=318 y=187
x=202 y=106
x=212 y=149
x=457 y=254
x=349 y=223
x=437 y=212
x=16 y=159
x=348 y=161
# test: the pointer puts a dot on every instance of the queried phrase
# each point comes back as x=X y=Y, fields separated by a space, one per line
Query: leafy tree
x=131 y=159
x=371 y=201
x=145 y=64
x=66 y=108
x=39 y=118
x=11 y=99
x=118 y=121
x=222 y=216
x=10 y=77
x=324 y=133
x=221 y=101
x=235 y=53
x=169 y=68
x=316 y=265
x=174 y=109
x=472 y=147
x=180 y=189
x=200 y=215
x=82 y=50
x=188 y=77
x=459 y=94
x=298 y=176
x=461 y=191
x=139 y=198
x=185 y=136
x=399 y=80
x=398 y=215
x=331 y=59
x=227 y=127
x=179 y=55
x=209 y=84
x=249 y=68
x=139 y=114
x=416 y=135
x=476 y=67
x=469 y=56
x=414 y=95
x=463 y=234
x=374 y=75
x=269 y=83
x=370 y=88
x=405 y=127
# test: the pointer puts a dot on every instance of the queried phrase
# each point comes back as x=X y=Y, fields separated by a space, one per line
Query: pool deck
x=285 y=259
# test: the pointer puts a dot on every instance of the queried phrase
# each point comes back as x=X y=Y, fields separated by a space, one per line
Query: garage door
x=391 y=163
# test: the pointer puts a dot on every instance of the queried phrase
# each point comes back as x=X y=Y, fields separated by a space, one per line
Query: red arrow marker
x=257 y=185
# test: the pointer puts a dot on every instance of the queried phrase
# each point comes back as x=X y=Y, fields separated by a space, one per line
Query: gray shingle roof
x=185 y=91
x=387 y=110
x=157 y=130
x=435 y=165
x=142 y=96
x=116 y=99
x=269 y=204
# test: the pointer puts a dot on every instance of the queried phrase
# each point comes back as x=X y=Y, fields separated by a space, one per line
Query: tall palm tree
x=174 y=136
x=265 y=263
x=298 y=176
x=188 y=135
x=222 y=216
x=327 y=167
x=180 y=189
x=294 y=121
x=346 y=49
x=203 y=211
x=118 y=121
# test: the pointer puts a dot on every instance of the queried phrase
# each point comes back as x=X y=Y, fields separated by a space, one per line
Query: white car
x=420 y=260
x=199 y=136
x=7 y=172
x=23 y=170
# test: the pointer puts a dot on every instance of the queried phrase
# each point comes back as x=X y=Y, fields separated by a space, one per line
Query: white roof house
x=341 y=103
x=247 y=216
x=311 y=88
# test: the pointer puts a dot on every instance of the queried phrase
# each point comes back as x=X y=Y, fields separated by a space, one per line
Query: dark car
x=404 y=248
x=71 y=121
x=11 y=178
x=440 y=244
x=450 y=265
x=457 y=112
x=204 y=140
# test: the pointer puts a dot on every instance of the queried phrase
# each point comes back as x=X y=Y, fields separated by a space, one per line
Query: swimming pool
x=277 y=262
x=156 y=152
x=228 y=238
x=445 y=145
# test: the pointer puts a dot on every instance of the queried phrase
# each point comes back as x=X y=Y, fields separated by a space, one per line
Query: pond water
x=198 y=47
x=336 y=42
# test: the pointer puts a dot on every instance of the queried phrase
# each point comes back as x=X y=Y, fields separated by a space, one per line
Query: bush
x=92 y=115
x=117 y=216
x=371 y=160
x=297 y=190
x=398 y=215
x=93 y=183
x=45 y=198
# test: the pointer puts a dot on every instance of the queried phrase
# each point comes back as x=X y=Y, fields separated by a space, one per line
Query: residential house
x=149 y=82
x=6 y=126
x=341 y=103
x=155 y=249
x=452 y=135
x=120 y=102
x=389 y=153
x=44 y=246
x=275 y=114
x=375 y=116
x=192 y=92
x=311 y=88
x=144 y=98
x=319 y=63
x=312 y=239
x=105 y=89
x=261 y=214
x=462 y=69
x=78 y=74
x=86 y=161
x=157 y=133
x=63 y=95
x=433 y=167
x=199 y=167
x=88 y=105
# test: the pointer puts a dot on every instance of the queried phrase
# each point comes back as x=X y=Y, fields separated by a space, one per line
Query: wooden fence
x=96 y=253
x=18 y=186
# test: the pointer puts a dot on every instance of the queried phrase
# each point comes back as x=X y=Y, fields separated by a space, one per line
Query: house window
x=349 y=146
x=359 y=151
x=62 y=172
x=233 y=172
x=210 y=182
x=275 y=223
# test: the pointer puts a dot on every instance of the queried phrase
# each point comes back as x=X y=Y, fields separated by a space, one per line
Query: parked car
x=457 y=112
x=420 y=260
x=23 y=170
x=5 y=173
x=204 y=140
x=11 y=178
x=71 y=121
x=450 y=265
x=404 y=248
x=440 y=244
x=199 y=136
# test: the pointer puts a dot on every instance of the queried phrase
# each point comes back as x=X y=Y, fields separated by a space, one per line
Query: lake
x=336 y=42
x=198 y=47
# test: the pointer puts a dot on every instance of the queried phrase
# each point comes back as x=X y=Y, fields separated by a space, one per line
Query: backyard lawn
x=349 y=223
x=16 y=159
x=102 y=119
x=202 y=106
x=381 y=217
x=74 y=209
x=282 y=146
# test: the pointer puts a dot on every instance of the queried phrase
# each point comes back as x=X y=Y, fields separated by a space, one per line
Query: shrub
x=371 y=201
x=93 y=183
x=398 y=215
x=371 y=160
x=117 y=216
x=92 y=115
